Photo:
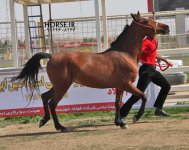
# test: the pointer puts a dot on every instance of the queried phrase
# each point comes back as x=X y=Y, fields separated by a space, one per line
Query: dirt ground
x=157 y=133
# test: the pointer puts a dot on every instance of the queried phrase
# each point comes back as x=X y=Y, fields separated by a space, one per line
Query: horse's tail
x=30 y=71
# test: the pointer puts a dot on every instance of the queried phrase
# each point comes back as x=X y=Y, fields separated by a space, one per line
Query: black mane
x=113 y=45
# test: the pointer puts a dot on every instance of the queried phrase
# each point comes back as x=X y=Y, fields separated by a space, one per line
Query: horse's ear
x=133 y=16
x=138 y=14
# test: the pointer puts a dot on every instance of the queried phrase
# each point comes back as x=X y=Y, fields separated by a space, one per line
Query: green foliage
x=89 y=39
x=1 y=44
x=7 y=43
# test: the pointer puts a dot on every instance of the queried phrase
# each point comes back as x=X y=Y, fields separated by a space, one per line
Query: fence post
x=180 y=28
x=105 y=28
x=27 y=41
x=98 y=34
x=13 y=34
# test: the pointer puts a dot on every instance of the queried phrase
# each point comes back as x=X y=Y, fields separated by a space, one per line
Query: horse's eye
x=146 y=22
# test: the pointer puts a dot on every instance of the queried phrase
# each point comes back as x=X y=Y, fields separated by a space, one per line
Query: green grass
x=187 y=77
x=182 y=103
x=185 y=59
x=6 y=65
x=103 y=117
x=23 y=120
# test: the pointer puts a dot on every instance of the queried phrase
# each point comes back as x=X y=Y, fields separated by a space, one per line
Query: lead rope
x=163 y=67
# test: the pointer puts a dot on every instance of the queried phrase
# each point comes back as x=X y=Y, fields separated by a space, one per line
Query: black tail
x=30 y=71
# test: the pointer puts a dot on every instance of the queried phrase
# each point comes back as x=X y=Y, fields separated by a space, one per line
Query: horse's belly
x=96 y=83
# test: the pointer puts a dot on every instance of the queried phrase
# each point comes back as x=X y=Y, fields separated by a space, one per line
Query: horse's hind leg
x=58 y=93
x=45 y=98
x=135 y=91
x=140 y=112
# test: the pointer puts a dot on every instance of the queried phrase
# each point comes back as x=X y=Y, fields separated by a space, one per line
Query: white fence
x=83 y=38
x=179 y=93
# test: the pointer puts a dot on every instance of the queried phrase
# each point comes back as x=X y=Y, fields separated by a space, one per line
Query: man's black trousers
x=147 y=74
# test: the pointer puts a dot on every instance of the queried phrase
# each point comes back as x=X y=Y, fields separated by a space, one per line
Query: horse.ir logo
x=64 y=26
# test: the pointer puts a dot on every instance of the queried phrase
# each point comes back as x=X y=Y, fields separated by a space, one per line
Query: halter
x=146 y=26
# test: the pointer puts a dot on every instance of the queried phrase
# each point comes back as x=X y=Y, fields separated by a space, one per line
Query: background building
x=167 y=5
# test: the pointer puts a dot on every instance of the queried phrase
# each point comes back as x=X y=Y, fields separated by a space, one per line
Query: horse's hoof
x=120 y=123
x=135 y=120
x=62 y=129
x=123 y=121
x=43 y=122
x=124 y=127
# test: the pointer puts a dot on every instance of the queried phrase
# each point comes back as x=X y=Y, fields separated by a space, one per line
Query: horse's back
x=99 y=70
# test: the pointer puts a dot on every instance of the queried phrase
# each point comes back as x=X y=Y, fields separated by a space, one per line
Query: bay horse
x=117 y=67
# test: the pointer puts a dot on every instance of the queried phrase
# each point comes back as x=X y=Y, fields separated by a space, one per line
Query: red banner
x=60 y=109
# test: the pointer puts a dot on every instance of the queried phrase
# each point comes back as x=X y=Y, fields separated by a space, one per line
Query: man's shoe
x=160 y=112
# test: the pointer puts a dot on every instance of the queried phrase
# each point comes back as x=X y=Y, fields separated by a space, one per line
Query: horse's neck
x=133 y=44
x=130 y=43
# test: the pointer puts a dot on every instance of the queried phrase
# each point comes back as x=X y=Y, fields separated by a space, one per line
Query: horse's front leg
x=135 y=91
x=118 y=120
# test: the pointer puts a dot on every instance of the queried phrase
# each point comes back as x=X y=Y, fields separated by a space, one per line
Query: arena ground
x=99 y=133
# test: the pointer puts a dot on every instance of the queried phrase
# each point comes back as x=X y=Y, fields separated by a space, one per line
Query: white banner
x=15 y=99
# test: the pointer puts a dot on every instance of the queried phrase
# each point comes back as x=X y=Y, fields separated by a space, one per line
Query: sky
x=77 y=9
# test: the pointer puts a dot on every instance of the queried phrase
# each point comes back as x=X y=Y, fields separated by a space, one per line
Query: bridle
x=156 y=27
x=147 y=26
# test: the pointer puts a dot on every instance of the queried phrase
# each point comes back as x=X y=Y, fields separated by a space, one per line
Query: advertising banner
x=16 y=100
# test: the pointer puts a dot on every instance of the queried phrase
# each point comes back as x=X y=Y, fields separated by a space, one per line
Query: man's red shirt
x=149 y=51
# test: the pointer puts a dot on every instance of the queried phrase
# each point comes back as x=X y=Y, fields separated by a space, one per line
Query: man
x=147 y=74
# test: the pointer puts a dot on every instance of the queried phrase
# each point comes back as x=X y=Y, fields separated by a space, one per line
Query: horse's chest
x=130 y=73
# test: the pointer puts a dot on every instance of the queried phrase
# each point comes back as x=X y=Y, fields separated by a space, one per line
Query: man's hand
x=168 y=63
x=163 y=59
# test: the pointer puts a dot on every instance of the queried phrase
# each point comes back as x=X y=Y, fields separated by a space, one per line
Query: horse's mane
x=113 y=45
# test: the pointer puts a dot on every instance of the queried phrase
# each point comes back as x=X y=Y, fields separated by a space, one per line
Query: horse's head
x=149 y=26
x=140 y=27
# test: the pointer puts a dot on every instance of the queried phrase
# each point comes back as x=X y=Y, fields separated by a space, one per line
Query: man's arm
x=158 y=57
